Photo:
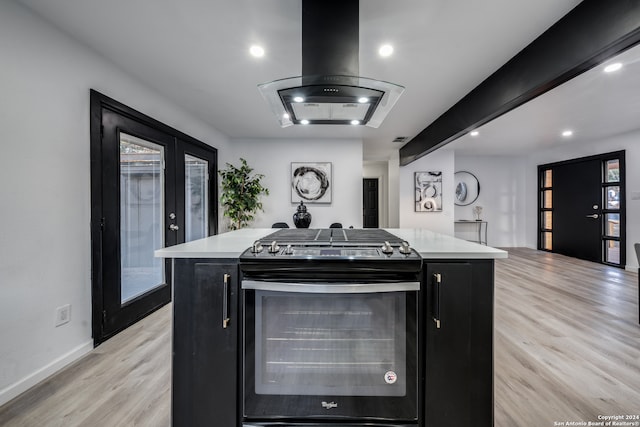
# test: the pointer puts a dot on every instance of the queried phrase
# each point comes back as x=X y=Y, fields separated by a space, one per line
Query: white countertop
x=428 y=244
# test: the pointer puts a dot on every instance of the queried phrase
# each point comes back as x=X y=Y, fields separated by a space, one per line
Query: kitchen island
x=453 y=328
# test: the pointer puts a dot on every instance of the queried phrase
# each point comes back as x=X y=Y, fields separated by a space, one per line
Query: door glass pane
x=612 y=225
x=546 y=199
x=546 y=179
x=612 y=251
x=612 y=171
x=547 y=217
x=196 y=182
x=547 y=239
x=141 y=215
x=328 y=344
x=613 y=197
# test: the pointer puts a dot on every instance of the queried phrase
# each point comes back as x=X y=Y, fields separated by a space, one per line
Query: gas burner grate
x=293 y=235
x=371 y=235
x=332 y=235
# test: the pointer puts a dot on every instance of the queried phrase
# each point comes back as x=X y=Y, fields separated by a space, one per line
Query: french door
x=150 y=189
x=582 y=208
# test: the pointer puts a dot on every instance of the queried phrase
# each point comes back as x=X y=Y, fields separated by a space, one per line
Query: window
x=611 y=208
x=546 y=210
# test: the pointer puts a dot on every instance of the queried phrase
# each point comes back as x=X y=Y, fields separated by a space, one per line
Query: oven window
x=330 y=344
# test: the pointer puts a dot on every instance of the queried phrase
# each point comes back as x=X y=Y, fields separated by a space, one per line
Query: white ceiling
x=595 y=105
x=195 y=52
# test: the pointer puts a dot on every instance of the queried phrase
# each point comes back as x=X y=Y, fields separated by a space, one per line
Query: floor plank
x=567 y=348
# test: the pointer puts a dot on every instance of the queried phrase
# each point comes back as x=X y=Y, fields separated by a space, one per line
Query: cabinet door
x=459 y=362
x=205 y=344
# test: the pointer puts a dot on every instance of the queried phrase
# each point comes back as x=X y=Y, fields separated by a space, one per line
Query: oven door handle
x=331 y=288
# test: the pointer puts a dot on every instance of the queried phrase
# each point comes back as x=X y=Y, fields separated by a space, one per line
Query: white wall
x=45 y=261
x=380 y=171
x=441 y=222
x=272 y=158
x=502 y=197
x=630 y=143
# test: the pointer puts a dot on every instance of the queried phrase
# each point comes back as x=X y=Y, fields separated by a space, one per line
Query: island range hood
x=330 y=90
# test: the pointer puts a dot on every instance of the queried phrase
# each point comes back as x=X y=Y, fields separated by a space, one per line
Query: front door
x=150 y=189
x=582 y=208
x=576 y=200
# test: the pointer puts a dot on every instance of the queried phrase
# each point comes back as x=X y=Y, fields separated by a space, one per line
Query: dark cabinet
x=205 y=343
x=459 y=343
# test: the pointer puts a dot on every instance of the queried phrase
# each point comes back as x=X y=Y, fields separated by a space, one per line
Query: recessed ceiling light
x=613 y=67
x=304 y=122
x=298 y=99
x=474 y=133
x=285 y=116
x=363 y=100
x=385 y=50
x=355 y=122
x=256 y=51
x=567 y=133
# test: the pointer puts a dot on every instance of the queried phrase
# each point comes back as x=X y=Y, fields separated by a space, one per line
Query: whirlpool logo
x=329 y=405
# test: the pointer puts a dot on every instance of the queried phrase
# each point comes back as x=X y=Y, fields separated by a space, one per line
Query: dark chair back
x=336 y=225
x=280 y=225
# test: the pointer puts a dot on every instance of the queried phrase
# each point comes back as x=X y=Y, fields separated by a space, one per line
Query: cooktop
x=335 y=244
x=332 y=236
x=331 y=253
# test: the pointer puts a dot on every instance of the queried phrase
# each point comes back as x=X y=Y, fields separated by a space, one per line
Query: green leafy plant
x=241 y=194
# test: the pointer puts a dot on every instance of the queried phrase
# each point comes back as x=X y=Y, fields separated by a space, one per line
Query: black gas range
x=330 y=329
x=327 y=252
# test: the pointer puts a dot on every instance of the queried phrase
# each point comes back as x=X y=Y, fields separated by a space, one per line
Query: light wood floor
x=126 y=381
x=567 y=348
x=567 y=340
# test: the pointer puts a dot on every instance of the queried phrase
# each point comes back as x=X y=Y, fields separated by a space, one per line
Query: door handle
x=437 y=278
x=225 y=301
x=174 y=227
x=594 y=216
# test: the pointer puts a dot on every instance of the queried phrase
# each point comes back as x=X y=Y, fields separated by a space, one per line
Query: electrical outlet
x=63 y=314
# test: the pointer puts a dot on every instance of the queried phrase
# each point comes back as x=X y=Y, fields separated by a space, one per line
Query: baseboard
x=19 y=387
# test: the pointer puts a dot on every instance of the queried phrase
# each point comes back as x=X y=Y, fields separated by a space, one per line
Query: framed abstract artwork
x=428 y=191
x=311 y=182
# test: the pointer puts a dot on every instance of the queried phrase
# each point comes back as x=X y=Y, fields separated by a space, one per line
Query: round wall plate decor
x=467 y=188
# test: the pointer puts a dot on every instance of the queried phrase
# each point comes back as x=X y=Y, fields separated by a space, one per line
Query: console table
x=480 y=226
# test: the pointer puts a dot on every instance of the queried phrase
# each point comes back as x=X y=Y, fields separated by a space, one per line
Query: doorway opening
x=370 y=208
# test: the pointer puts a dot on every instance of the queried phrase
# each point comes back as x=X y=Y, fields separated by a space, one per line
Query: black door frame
x=98 y=102
x=620 y=155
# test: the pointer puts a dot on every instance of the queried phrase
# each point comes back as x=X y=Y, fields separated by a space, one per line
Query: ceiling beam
x=591 y=33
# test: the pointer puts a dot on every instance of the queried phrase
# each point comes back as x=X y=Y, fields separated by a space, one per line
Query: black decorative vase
x=302 y=218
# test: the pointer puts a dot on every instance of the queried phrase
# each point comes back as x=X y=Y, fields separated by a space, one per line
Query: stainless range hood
x=330 y=90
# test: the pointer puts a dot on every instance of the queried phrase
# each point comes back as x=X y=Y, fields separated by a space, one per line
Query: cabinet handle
x=225 y=302
x=437 y=278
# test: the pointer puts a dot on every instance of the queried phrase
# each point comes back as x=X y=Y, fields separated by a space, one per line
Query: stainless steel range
x=330 y=329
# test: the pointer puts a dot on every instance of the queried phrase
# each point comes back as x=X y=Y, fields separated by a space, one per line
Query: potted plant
x=241 y=194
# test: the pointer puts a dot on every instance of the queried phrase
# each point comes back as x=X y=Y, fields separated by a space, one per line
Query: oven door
x=330 y=351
